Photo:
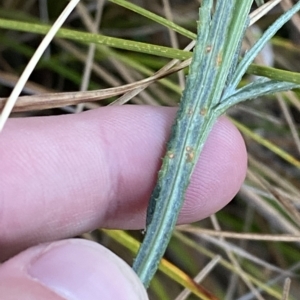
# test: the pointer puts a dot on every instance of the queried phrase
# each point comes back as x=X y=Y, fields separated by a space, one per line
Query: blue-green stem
x=212 y=63
x=210 y=90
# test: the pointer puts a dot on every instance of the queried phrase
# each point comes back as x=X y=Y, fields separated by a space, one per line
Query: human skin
x=65 y=175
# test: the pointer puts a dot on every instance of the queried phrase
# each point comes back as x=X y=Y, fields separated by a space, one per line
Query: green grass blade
x=260 y=87
x=85 y=37
x=260 y=44
x=155 y=18
x=275 y=74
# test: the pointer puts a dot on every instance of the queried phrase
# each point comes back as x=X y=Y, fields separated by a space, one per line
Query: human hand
x=65 y=175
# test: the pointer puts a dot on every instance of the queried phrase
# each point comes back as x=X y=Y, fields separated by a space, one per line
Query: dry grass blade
x=286 y=289
x=269 y=212
x=262 y=11
x=10 y=80
x=287 y=4
x=242 y=236
x=33 y=62
x=204 y=272
x=92 y=48
x=241 y=254
x=173 y=37
x=280 y=182
x=165 y=69
x=289 y=119
x=284 y=201
x=45 y=101
x=235 y=262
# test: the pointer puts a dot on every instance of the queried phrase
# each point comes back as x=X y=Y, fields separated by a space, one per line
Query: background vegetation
x=248 y=250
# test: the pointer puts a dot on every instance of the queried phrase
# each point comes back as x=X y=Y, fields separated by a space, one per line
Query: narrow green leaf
x=85 y=37
x=260 y=44
x=258 y=88
x=275 y=74
x=156 y=18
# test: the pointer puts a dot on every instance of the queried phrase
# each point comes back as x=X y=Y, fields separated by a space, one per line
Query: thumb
x=70 y=270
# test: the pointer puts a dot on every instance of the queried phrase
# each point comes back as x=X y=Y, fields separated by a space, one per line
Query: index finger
x=65 y=175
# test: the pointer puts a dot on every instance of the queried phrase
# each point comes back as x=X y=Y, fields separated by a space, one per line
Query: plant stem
x=214 y=60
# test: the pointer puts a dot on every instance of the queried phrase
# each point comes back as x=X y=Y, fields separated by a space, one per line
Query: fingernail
x=79 y=269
